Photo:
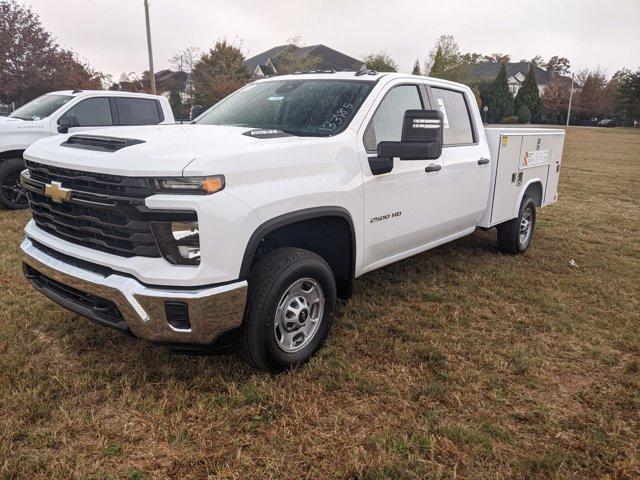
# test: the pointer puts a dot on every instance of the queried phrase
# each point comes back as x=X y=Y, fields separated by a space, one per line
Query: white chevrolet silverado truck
x=246 y=226
x=65 y=112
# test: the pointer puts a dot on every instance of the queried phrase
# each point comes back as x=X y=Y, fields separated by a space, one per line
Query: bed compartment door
x=506 y=188
x=551 y=190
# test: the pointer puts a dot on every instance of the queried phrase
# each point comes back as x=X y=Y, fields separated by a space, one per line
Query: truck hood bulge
x=166 y=150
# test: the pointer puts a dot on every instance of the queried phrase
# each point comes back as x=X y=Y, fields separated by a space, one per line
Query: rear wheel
x=514 y=236
x=291 y=298
x=12 y=195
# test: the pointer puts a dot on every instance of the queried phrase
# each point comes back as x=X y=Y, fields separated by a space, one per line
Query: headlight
x=192 y=185
x=179 y=242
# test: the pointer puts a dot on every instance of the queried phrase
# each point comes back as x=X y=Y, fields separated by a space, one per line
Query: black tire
x=12 y=196
x=269 y=282
x=509 y=239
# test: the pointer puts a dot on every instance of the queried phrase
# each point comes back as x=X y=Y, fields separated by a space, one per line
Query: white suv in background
x=68 y=112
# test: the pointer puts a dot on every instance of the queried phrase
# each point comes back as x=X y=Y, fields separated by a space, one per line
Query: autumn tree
x=498 y=57
x=185 y=59
x=446 y=62
x=555 y=100
x=529 y=96
x=500 y=99
x=219 y=72
x=32 y=63
x=592 y=98
x=624 y=88
x=557 y=65
x=380 y=62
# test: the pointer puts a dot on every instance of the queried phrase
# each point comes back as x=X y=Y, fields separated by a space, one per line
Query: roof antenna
x=363 y=70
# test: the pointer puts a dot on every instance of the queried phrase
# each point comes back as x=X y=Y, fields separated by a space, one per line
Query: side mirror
x=196 y=111
x=65 y=123
x=421 y=137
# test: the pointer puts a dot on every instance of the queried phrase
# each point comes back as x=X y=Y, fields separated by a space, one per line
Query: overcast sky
x=110 y=34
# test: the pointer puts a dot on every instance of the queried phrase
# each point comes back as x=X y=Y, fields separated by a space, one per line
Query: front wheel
x=12 y=195
x=292 y=295
x=514 y=236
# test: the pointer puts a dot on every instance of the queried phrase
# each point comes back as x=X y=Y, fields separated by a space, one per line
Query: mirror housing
x=65 y=123
x=195 y=112
x=421 y=137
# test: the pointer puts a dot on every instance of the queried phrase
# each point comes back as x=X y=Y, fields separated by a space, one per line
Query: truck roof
x=112 y=93
x=371 y=76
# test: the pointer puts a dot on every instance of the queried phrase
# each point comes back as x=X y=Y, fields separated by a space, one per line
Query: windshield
x=41 y=107
x=299 y=107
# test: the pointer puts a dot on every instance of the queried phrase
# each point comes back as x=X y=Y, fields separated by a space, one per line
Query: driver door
x=402 y=208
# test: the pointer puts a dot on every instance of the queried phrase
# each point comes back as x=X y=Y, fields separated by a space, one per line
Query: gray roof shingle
x=489 y=71
x=329 y=58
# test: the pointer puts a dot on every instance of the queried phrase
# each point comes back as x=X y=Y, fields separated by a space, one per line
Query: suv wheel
x=292 y=295
x=12 y=195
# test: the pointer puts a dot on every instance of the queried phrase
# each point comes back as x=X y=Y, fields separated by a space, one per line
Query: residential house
x=321 y=56
x=516 y=73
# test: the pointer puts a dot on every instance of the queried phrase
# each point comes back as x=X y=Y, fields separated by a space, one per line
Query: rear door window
x=92 y=112
x=458 y=129
x=138 y=111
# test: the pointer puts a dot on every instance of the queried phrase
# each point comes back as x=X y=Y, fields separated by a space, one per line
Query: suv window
x=138 y=111
x=92 y=112
x=457 y=123
x=386 y=124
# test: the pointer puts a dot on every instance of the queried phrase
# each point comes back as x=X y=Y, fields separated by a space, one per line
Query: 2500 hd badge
x=385 y=217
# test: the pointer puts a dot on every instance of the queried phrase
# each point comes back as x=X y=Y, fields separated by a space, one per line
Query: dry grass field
x=457 y=363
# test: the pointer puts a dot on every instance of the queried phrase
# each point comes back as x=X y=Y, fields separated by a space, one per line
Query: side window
x=386 y=124
x=92 y=112
x=138 y=111
x=457 y=123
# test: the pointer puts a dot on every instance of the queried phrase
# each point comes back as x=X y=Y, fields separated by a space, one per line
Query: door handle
x=483 y=161
x=433 y=168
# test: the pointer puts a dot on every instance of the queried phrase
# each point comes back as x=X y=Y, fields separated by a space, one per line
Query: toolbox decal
x=530 y=159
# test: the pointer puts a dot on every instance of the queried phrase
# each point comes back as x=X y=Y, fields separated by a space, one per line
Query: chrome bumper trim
x=212 y=310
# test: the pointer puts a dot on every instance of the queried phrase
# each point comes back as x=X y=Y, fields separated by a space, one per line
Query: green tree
x=500 y=99
x=219 y=72
x=175 y=101
x=446 y=62
x=380 y=62
x=529 y=95
x=416 y=68
x=524 y=114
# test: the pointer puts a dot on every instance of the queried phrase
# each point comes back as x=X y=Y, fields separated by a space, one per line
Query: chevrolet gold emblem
x=57 y=192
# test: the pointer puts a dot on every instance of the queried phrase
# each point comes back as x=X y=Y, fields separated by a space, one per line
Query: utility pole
x=570 y=98
x=152 y=75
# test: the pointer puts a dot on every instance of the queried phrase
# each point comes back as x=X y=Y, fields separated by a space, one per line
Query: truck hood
x=9 y=120
x=166 y=150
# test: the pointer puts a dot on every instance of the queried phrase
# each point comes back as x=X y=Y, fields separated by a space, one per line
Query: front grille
x=106 y=212
x=102 y=308
x=101 y=183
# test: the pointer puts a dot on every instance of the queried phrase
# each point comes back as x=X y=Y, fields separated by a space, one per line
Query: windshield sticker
x=275 y=98
x=445 y=120
x=338 y=117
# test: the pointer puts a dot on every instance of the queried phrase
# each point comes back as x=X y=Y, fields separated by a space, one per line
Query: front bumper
x=122 y=302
